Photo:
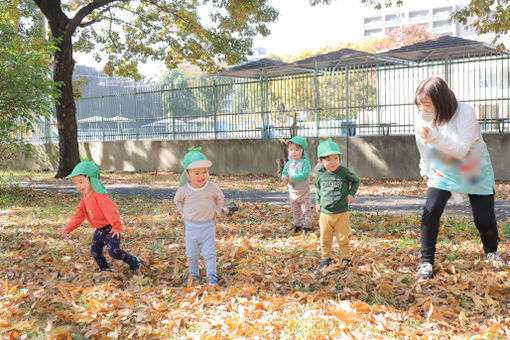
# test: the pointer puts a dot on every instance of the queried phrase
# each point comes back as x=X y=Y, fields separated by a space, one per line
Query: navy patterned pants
x=104 y=237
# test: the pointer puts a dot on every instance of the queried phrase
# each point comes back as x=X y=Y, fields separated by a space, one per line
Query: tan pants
x=335 y=225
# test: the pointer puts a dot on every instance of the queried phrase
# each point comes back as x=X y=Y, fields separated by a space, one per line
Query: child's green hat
x=301 y=141
x=192 y=160
x=90 y=169
x=328 y=147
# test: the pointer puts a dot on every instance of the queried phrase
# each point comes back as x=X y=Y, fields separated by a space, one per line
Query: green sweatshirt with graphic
x=332 y=189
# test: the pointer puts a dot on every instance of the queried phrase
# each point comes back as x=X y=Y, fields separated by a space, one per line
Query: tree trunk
x=63 y=28
x=66 y=111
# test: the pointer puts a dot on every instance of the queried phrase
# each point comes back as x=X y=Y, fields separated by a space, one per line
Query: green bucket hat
x=90 y=169
x=192 y=160
x=301 y=141
x=328 y=147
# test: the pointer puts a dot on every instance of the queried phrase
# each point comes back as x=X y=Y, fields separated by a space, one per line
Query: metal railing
x=354 y=100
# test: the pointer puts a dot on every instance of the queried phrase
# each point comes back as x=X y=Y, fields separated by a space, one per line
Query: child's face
x=331 y=162
x=83 y=185
x=295 y=151
x=197 y=177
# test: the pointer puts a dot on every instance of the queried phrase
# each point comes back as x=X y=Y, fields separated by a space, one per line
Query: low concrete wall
x=369 y=156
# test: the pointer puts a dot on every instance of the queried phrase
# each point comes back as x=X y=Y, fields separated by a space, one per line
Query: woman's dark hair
x=441 y=96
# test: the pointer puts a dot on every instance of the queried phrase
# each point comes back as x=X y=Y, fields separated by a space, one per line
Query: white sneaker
x=496 y=260
x=425 y=271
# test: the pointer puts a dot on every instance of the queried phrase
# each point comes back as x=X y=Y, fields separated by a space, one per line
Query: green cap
x=328 y=147
x=301 y=141
x=192 y=160
x=90 y=169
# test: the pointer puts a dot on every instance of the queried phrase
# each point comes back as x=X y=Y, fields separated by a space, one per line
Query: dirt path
x=402 y=205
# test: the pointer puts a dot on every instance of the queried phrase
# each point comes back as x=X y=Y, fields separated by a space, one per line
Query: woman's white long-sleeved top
x=454 y=155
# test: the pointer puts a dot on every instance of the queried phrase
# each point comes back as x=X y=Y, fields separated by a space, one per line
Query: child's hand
x=423 y=132
x=350 y=199
x=318 y=208
x=63 y=232
x=116 y=234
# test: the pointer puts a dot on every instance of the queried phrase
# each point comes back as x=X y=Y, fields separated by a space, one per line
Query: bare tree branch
x=82 y=13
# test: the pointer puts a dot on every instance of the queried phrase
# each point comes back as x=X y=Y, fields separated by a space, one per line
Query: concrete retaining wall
x=369 y=156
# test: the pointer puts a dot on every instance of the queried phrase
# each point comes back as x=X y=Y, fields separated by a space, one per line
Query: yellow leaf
x=462 y=317
x=14 y=335
x=433 y=313
x=61 y=333
x=190 y=281
x=361 y=307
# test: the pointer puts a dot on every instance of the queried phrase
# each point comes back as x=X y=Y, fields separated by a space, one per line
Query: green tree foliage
x=131 y=32
x=190 y=93
x=25 y=86
x=484 y=16
x=178 y=100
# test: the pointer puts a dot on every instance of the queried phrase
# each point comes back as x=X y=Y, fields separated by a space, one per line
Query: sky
x=299 y=27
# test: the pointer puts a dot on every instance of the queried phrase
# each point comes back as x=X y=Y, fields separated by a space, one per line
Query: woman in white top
x=454 y=159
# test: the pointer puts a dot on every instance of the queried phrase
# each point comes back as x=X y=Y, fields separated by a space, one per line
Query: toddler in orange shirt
x=102 y=214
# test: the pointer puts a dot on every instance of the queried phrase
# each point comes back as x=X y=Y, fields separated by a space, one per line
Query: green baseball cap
x=192 y=160
x=90 y=169
x=301 y=141
x=328 y=147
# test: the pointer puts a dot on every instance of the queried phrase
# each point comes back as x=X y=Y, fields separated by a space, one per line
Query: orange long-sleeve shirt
x=99 y=210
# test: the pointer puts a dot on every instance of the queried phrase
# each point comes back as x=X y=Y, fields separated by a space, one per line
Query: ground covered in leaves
x=369 y=186
x=269 y=285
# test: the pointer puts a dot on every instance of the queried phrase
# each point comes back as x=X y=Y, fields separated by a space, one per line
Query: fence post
x=173 y=111
x=316 y=99
x=262 y=108
x=47 y=129
x=215 y=108
x=136 y=115
x=102 y=116
x=378 y=98
x=347 y=115
x=347 y=99
x=447 y=70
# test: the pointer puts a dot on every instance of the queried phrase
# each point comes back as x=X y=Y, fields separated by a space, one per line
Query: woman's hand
x=318 y=208
x=423 y=132
x=63 y=231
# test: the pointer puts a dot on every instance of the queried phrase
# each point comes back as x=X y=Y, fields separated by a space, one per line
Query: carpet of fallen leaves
x=269 y=285
x=369 y=186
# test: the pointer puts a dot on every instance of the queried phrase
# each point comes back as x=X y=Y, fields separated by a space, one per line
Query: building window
x=394 y=19
x=418 y=16
x=442 y=13
x=373 y=33
x=373 y=22
x=442 y=27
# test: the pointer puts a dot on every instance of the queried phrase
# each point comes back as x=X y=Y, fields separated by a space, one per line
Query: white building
x=431 y=14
